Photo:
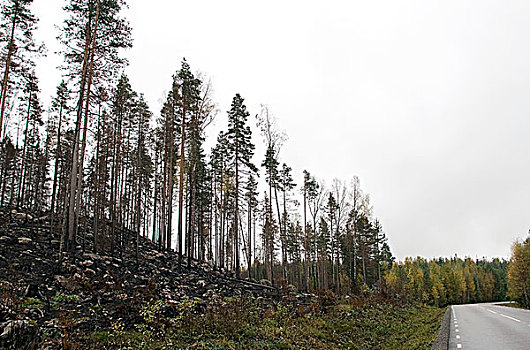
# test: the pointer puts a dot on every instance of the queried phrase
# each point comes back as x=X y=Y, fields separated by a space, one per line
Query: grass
x=253 y=324
x=513 y=304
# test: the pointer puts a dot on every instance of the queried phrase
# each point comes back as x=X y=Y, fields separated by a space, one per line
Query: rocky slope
x=45 y=301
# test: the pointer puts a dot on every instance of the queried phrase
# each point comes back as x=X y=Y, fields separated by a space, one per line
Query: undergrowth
x=249 y=323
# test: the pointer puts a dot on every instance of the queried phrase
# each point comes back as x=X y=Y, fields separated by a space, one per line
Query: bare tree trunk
x=282 y=234
x=222 y=214
x=163 y=218
x=306 y=239
x=80 y=171
x=155 y=200
x=89 y=46
x=236 y=218
x=56 y=169
x=249 y=240
x=181 y=183
x=6 y=74
x=170 y=193
x=21 y=187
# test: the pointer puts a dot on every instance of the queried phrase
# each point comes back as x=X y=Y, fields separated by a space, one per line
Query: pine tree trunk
x=21 y=187
x=306 y=238
x=163 y=204
x=181 y=183
x=282 y=233
x=80 y=171
x=56 y=170
x=249 y=240
x=89 y=44
x=170 y=189
x=236 y=218
x=6 y=74
x=155 y=200
x=222 y=214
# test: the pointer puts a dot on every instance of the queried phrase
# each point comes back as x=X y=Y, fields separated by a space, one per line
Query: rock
x=265 y=282
x=23 y=217
x=18 y=334
x=87 y=263
x=43 y=218
x=7 y=240
x=24 y=240
x=68 y=283
x=92 y=256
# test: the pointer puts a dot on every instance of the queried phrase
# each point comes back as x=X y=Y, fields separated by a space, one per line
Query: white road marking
x=493 y=312
x=511 y=318
x=459 y=346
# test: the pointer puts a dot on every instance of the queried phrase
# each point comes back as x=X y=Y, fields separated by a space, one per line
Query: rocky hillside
x=46 y=300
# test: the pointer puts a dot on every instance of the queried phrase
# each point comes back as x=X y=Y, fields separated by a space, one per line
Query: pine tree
x=142 y=166
x=241 y=150
x=60 y=109
x=30 y=110
x=188 y=108
x=286 y=184
x=91 y=36
x=221 y=172
x=251 y=196
x=18 y=23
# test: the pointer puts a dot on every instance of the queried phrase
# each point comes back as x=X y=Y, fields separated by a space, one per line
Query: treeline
x=448 y=281
x=519 y=273
x=107 y=171
x=102 y=165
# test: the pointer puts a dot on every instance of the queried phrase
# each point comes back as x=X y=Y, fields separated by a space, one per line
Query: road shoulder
x=442 y=338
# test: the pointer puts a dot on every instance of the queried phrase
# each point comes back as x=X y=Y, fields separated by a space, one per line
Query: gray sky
x=426 y=101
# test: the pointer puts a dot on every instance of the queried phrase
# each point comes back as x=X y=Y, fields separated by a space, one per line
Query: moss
x=65 y=298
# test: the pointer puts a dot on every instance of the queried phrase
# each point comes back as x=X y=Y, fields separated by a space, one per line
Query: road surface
x=489 y=326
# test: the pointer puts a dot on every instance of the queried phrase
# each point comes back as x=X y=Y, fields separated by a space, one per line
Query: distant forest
x=99 y=160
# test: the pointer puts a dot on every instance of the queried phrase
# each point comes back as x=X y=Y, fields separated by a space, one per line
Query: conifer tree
x=18 y=24
x=31 y=111
x=241 y=150
x=251 y=196
x=92 y=36
x=219 y=165
x=60 y=109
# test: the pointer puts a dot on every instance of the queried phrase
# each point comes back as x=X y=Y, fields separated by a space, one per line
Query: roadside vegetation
x=247 y=323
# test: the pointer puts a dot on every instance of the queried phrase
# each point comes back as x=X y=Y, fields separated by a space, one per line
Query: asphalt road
x=489 y=326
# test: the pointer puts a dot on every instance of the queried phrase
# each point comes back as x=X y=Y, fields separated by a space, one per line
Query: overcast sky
x=428 y=102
